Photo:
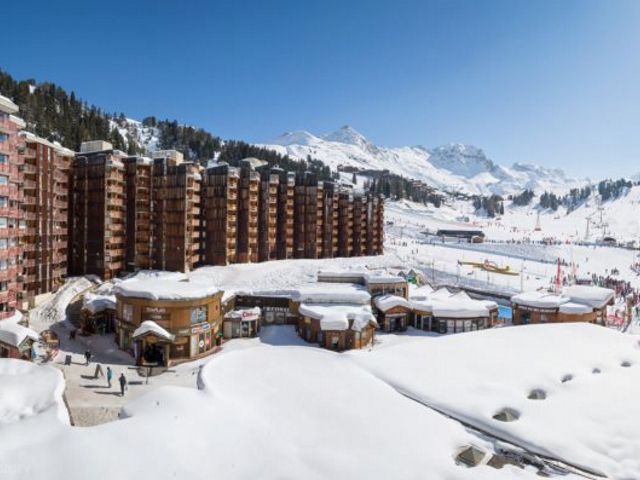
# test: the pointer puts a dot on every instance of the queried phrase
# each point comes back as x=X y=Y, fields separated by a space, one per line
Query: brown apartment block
x=138 y=213
x=248 y=194
x=305 y=216
x=97 y=211
x=219 y=213
x=267 y=214
x=345 y=224
x=174 y=215
x=45 y=168
x=284 y=230
x=175 y=212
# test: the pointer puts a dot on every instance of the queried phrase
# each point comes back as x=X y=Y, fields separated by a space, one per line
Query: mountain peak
x=346 y=134
x=299 y=137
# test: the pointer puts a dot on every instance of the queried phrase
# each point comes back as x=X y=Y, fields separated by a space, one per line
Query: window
x=4 y=201
x=3 y=243
x=199 y=314
x=3 y=264
x=4 y=221
x=4 y=180
x=3 y=137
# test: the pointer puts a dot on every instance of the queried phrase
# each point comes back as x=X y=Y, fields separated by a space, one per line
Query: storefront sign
x=201 y=328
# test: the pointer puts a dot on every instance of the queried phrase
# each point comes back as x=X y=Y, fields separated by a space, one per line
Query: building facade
x=97 y=217
x=12 y=293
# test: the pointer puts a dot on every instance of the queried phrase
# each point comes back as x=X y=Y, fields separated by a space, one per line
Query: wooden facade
x=175 y=217
x=311 y=331
x=97 y=212
x=195 y=324
x=305 y=214
x=138 y=189
x=525 y=315
x=285 y=219
x=44 y=211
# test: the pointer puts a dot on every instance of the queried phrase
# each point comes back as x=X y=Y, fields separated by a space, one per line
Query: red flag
x=558 y=278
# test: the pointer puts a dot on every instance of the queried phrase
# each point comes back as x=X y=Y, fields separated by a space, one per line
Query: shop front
x=182 y=321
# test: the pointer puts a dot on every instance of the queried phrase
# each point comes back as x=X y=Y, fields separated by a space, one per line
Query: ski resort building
x=175 y=219
x=45 y=168
x=12 y=293
x=163 y=321
x=577 y=303
x=97 y=211
x=336 y=317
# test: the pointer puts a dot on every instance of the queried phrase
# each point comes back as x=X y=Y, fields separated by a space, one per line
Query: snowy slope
x=590 y=375
x=269 y=412
x=452 y=167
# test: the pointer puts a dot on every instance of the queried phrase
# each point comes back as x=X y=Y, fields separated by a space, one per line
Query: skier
x=87 y=356
x=109 y=376
x=123 y=384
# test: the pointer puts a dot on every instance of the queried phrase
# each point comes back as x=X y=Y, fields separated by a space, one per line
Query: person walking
x=87 y=356
x=109 y=376
x=123 y=384
x=98 y=371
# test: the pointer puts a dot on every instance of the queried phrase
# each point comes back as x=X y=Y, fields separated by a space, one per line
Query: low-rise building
x=167 y=321
x=577 y=303
x=335 y=317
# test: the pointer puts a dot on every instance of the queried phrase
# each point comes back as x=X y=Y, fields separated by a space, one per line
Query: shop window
x=199 y=314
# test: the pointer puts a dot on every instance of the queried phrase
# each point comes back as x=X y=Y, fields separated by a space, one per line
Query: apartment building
x=248 y=195
x=97 y=211
x=219 y=214
x=284 y=229
x=138 y=213
x=11 y=196
x=45 y=167
x=267 y=214
x=175 y=212
x=305 y=216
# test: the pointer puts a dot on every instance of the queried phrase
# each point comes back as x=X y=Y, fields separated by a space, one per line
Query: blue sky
x=552 y=82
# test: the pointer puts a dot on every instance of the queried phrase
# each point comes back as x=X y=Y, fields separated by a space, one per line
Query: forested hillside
x=57 y=115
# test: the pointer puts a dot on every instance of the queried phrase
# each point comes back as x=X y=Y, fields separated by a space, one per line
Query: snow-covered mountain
x=452 y=167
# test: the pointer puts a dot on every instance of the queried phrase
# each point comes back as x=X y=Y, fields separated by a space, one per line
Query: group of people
x=122 y=380
x=621 y=287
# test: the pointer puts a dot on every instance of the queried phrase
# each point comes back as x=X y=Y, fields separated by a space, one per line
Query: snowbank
x=590 y=375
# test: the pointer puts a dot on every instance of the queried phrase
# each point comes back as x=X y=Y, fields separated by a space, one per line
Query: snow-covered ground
x=276 y=408
x=510 y=243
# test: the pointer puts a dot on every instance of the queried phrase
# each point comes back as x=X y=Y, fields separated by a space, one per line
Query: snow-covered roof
x=95 y=303
x=349 y=273
x=461 y=295
x=14 y=334
x=539 y=299
x=7 y=105
x=459 y=309
x=596 y=297
x=151 y=327
x=165 y=290
x=332 y=293
x=419 y=293
x=337 y=316
x=440 y=294
x=387 y=302
x=373 y=278
x=575 y=308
